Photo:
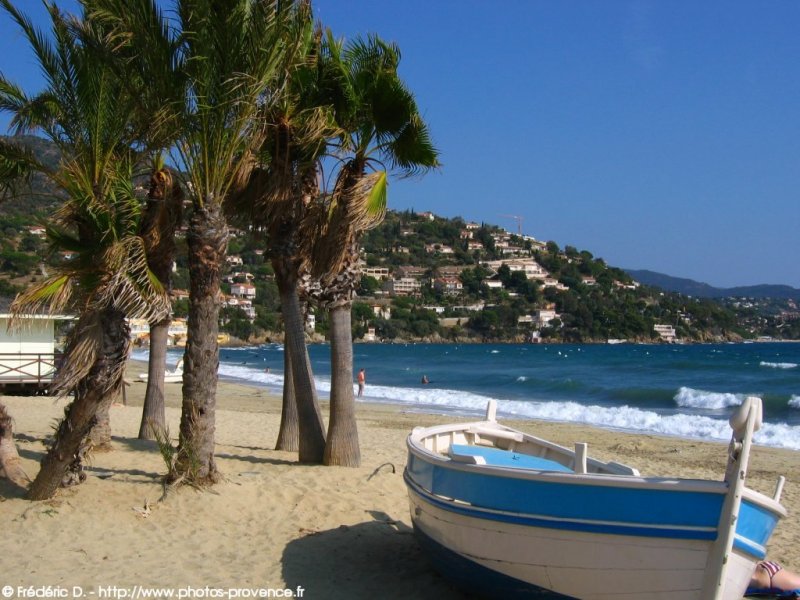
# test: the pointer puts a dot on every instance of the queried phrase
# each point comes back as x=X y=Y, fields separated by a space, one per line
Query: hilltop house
x=243 y=290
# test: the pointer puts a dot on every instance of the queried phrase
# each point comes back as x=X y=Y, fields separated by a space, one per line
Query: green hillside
x=441 y=279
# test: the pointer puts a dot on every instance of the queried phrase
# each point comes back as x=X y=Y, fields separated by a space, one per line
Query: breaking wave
x=691 y=398
x=778 y=365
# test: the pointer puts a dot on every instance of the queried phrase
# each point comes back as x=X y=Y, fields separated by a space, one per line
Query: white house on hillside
x=666 y=332
x=243 y=290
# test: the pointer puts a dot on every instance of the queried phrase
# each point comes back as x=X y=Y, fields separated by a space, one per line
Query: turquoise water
x=682 y=390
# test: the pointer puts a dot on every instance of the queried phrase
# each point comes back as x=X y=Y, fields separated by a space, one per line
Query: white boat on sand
x=505 y=514
x=175 y=376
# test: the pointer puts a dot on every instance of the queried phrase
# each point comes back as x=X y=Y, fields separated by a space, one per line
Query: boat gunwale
x=666 y=484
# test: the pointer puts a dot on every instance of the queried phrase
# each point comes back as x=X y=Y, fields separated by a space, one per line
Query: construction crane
x=518 y=219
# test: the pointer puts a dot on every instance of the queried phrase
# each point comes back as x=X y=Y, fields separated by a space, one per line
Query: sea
x=688 y=391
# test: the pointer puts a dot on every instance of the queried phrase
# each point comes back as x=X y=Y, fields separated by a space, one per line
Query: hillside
x=487 y=283
x=703 y=290
x=427 y=277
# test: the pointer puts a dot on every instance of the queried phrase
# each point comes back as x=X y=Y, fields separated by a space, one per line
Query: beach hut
x=28 y=355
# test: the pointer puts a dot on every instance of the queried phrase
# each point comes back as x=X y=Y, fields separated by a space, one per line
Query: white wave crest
x=522 y=378
x=691 y=398
x=794 y=401
x=778 y=365
x=623 y=417
x=633 y=419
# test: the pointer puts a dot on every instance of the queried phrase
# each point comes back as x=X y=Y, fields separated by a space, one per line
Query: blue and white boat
x=504 y=513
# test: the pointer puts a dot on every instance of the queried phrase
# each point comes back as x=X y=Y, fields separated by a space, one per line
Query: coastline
x=272 y=523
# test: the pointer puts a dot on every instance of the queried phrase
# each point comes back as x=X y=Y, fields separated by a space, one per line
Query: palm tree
x=146 y=58
x=86 y=113
x=229 y=57
x=234 y=55
x=380 y=121
x=277 y=200
x=161 y=219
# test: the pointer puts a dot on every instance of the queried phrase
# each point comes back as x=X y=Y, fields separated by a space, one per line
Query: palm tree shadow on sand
x=378 y=558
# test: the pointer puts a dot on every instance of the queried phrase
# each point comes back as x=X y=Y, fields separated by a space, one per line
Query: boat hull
x=550 y=522
x=168 y=378
x=531 y=561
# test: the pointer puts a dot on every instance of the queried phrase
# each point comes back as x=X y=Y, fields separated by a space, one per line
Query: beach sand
x=336 y=532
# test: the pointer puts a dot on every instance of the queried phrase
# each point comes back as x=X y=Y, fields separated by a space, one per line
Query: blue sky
x=657 y=135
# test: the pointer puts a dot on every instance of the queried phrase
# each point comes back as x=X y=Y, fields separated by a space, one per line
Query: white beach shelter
x=28 y=350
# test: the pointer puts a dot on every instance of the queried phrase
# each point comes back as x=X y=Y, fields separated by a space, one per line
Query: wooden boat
x=175 y=376
x=505 y=514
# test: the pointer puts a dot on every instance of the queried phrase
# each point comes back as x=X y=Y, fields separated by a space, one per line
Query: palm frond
x=132 y=288
x=49 y=296
x=82 y=350
x=142 y=47
x=235 y=53
x=412 y=151
x=357 y=204
x=375 y=109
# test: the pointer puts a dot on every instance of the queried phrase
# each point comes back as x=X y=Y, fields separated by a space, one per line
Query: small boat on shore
x=505 y=514
x=175 y=376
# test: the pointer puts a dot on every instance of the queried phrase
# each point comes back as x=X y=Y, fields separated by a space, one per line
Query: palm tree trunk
x=100 y=434
x=289 y=432
x=9 y=457
x=310 y=425
x=342 y=448
x=162 y=217
x=153 y=417
x=207 y=239
x=103 y=381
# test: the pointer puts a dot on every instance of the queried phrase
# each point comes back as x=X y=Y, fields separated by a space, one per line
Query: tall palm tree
x=277 y=200
x=229 y=59
x=235 y=53
x=146 y=58
x=162 y=217
x=380 y=122
x=86 y=113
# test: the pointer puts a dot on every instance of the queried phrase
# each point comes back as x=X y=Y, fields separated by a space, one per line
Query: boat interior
x=489 y=443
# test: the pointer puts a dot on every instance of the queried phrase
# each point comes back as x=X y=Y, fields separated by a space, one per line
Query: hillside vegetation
x=441 y=279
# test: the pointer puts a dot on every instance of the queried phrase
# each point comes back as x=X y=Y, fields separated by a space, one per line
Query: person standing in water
x=362 y=380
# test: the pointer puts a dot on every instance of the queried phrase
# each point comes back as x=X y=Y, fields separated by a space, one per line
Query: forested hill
x=690 y=287
x=498 y=285
x=428 y=277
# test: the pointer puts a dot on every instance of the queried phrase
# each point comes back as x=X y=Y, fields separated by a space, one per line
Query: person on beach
x=770 y=578
x=362 y=379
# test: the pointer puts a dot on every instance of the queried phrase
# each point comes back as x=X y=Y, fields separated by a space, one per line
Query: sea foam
x=691 y=398
x=778 y=365
x=621 y=418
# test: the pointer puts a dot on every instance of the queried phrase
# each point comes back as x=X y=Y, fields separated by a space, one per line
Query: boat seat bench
x=497 y=457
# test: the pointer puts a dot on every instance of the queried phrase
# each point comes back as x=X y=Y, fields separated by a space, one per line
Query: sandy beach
x=335 y=532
